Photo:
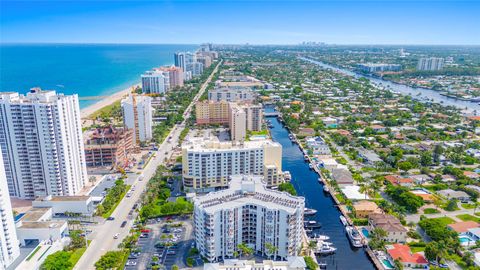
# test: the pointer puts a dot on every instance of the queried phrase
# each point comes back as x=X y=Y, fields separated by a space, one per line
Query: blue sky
x=255 y=22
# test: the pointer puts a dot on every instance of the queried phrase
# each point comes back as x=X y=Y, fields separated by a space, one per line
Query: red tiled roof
x=463 y=226
x=403 y=253
x=397 y=180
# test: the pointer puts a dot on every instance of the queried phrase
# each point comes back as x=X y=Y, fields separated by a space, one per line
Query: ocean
x=85 y=69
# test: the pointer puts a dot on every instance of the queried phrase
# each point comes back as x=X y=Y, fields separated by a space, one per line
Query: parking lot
x=161 y=243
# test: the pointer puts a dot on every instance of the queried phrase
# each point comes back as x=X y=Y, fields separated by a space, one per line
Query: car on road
x=131 y=263
x=123 y=224
x=110 y=218
x=115 y=236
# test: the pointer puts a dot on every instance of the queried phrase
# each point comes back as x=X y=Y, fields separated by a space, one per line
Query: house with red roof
x=405 y=256
x=397 y=180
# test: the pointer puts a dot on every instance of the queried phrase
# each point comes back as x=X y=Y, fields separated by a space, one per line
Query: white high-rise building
x=42 y=144
x=9 y=249
x=182 y=59
x=155 y=82
x=248 y=213
x=196 y=68
x=231 y=94
x=208 y=163
x=430 y=64
x=144 y=116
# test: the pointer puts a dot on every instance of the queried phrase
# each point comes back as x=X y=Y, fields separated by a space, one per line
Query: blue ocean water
x=86 y=69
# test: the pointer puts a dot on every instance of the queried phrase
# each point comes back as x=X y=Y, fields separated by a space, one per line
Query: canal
x=306 y=183
x=421 y=94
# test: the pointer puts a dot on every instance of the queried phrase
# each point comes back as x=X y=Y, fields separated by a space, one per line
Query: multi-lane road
x=104 y=233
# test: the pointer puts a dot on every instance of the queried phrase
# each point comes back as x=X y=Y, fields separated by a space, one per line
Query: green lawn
x=417 y=249
x=109 y=213
x=430 y=211
x=468 y=205
x=445 y=220
x=467 y=217
x=33 y=253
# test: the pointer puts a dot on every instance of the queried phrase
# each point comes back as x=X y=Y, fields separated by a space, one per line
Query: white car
x=116 y=236
x=131 y=263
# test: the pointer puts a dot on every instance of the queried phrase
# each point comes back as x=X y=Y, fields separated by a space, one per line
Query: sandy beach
x=85 y=112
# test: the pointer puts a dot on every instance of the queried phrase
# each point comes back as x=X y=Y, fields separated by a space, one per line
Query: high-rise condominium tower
x=42 y=144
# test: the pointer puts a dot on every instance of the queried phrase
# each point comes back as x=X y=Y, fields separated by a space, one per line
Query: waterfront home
x=318 y=146
x=327 y=163
x=342 y=176
x=406 y=257
x=463 y=226
x=396 y=233
x=364 y=208
x=304 y=132
x=455 y=194
x=473 y=187
x=397 y=180
x=369 y=157
x=352 y=192
x=473 y=152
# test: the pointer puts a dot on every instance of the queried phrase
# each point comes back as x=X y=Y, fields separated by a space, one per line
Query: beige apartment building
x=244 y=117
x=210 y=112
x=175 y=75
x=208 y=163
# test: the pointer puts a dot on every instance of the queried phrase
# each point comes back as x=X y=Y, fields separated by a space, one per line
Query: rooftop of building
x=404 y=254
x=463 y=226
x=63 y=198
x=292 y=262
x=34 y=214
x=35 y=95
x=387 y=222
x=212 y=143
x=42 y=224
x=248 y=189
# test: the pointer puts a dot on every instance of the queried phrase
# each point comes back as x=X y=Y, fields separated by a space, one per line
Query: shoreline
x=87 y=111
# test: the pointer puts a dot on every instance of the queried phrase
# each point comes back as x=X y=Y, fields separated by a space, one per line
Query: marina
x=306 y=183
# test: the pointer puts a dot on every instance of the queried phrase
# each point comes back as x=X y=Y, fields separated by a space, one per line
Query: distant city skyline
x=266 y=22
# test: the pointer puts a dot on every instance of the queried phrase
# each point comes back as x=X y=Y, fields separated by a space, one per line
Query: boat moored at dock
x=354 y=236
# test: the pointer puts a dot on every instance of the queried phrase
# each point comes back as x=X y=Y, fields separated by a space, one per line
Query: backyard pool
x=365 y=232
x=465 y=240
x=387 y=264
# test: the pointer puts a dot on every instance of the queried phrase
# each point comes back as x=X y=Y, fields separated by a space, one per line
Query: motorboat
x=321 y=237
x=325 y=188
x=287 y=175
x=320 y=180
x=325 y=248
x=344 y=221
x=305 y=157
x=312 y=224
x=354 y=236
x=310 y=165
x=309 y=212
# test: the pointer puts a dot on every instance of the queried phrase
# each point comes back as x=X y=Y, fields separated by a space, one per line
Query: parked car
x=115 y=236
x=110 y=218
x=123 y=224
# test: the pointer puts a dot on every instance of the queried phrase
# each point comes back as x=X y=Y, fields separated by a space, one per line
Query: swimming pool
x=465 y=239
x=387 y=264
x=365 y=232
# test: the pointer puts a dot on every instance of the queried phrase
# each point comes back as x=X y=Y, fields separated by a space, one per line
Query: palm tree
x=476 y=204
x=271 y=249
x=398 y=264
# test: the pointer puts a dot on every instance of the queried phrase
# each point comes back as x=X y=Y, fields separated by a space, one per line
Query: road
x=104 y=240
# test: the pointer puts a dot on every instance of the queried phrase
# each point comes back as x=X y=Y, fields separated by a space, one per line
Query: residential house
x=397 y=180
x=455 y=194
x=306 y=132
x=471 y=175
x=369 y=157
x=364 y=208
x=342 y=176
x=318 y=146
x=330 y=122
x=463 y=226
x=420 y=179
x=406 y=257
x=395 y=231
